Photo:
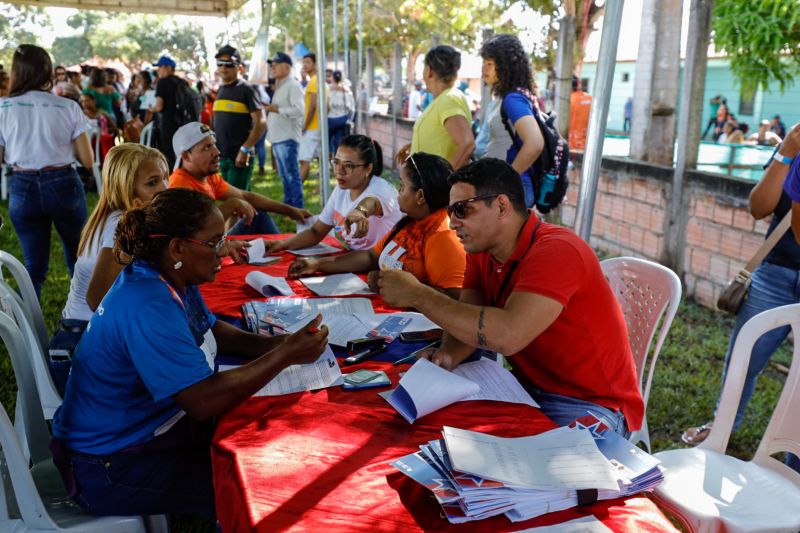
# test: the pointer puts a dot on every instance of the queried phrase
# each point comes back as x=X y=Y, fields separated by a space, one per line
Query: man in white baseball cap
x=197 y=167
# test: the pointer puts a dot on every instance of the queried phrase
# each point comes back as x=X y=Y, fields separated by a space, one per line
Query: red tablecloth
x=320 y=461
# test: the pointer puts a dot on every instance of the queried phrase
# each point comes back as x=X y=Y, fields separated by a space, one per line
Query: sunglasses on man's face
x=226 y=64
x=459 y=209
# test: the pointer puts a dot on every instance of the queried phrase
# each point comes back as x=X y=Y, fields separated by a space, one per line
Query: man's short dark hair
x=312 y=56
x=493 y=176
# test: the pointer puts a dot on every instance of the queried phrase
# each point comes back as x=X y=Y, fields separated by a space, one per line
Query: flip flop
x=695 y=435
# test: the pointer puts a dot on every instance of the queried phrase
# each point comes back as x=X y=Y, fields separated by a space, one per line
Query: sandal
x=696 y=435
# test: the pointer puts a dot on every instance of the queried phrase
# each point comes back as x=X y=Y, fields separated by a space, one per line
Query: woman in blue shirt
x=146 y=361
x=507 y=69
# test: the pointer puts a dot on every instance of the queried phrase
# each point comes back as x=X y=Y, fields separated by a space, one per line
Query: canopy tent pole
x=258 y=72
x=335 y=38
x=322 y=106
x=346 y=36
x=359 y=94
x=598 y=117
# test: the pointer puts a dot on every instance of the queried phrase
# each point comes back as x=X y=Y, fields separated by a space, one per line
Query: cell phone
x=363 y=356
x=421 y=336
x=380 y=379
x=361 y=376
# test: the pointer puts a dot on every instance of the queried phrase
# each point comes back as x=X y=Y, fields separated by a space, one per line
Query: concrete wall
x=630 y=215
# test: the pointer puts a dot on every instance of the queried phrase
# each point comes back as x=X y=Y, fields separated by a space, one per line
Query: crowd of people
x=458 y=242
x=726 y=129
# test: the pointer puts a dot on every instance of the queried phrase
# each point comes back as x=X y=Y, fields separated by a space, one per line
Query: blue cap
x=165 y=61
x=280 y=57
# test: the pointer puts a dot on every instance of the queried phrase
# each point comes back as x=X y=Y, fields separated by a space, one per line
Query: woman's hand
x=359 y=219
x=237 y=250
x=300 y=215
x=272 y=247
x=303 y=266
x=306 y=345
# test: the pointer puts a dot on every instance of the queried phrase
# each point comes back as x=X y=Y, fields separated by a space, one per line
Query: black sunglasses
x=229 y=64
x=459 y=209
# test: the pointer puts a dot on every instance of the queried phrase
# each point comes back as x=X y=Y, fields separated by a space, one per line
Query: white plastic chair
x=98 y=178
x=147 y=133
x=649 y=294
x=27 y=297
x=42 y=502
x=712 y=492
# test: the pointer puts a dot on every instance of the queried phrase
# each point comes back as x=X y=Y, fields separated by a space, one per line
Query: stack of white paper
x=474 y=475
x=336 y=285
x=426 y=388
x=256 y=254
x=268 y=285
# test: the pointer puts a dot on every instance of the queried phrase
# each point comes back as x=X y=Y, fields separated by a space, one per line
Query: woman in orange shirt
x=421 y=243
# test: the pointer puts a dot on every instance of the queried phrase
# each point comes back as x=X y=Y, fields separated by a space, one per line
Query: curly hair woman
x=507 y=69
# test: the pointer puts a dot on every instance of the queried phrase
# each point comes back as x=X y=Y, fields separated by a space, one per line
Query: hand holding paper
x=257 y=253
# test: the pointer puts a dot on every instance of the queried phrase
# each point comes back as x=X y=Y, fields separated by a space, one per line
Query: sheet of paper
x=496 y=383
x=268 y=285
x=318 y=249
x=419 y=322
x=324 y=372
x=342 y=328
x=256 y=255
x=587 y=524
x=336 y=285
x=306 y=224
x=426 y=388
x=562 y=458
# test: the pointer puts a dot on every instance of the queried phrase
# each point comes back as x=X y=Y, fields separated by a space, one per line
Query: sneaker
x=261 y=171
x=695 y=435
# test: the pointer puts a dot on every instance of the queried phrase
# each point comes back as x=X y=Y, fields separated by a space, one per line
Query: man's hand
x=372 y=280
x=399 y=288
x=306 y=345
x=238 y=251
x=442 y=358
x=242 y=159
x=300 y=215
x=356 y=217
x=303 y=266
x=272 y=247
x=240 y=209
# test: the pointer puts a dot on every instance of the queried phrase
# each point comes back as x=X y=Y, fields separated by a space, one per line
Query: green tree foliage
x=762 y=38
x=16 y=23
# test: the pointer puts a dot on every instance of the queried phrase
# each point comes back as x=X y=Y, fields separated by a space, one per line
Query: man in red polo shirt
x=532 y=291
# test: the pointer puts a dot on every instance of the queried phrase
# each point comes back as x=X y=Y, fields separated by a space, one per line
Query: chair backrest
x=783 y=431
x=649 y=294
x=27 y=294
x=147 y=133
x=35 y=429
x=48 y=397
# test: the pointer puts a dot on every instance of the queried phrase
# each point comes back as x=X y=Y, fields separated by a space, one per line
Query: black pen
x=413 y=355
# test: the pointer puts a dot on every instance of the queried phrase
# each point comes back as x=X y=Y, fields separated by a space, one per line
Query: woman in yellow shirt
x=443 y=129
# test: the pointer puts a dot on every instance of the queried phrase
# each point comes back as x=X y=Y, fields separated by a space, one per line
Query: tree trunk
x=656 y=84
x=411 y=71
x=564 y=62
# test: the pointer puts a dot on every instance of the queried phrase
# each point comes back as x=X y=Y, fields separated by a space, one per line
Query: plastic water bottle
x=546 y=188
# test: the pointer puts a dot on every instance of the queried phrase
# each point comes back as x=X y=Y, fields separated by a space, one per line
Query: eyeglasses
x=216 y=246
x=411 y=158
x=347 y=166
x=226 y=64
x=459 y=209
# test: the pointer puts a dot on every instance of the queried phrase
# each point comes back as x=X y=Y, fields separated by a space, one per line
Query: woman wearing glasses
x=135 y=427
x=363 y=206
x=421 y=243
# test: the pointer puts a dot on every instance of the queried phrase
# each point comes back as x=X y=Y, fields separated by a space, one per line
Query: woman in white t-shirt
x=41 y=136
x=363 y=206
x=132 y=175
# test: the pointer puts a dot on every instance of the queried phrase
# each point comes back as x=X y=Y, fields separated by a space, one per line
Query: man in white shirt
x=285 y=124
x=415 y=101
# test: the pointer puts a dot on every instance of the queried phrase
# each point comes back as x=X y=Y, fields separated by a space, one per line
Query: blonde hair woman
x=132 y=175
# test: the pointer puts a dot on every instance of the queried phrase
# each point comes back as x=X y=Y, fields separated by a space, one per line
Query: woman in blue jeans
x=41 y=136
x=776 y=281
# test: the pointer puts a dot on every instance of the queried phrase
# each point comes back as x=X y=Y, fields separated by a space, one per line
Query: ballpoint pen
x=413 y=355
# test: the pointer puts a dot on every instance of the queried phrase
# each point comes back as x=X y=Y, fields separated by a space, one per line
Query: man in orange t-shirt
x=580 y=104
x=197 y=167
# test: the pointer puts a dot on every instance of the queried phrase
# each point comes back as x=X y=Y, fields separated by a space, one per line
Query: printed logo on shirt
x=390 y=257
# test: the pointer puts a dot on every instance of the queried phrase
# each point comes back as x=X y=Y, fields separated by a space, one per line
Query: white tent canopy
x=218 y=8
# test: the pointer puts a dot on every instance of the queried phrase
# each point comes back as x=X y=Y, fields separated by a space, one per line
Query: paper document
x=562 y=458
x=306 y=224
x=268 y=285
x=336 y=285
x=587 y=524
x=324 y=372
x=287 y=315
x=390 y=325
x=256 y=253
x=343 y=328
x=496 y=383
x=317 y=249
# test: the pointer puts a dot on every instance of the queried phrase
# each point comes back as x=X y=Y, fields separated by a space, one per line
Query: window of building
x=747 y=102
x=626 y=76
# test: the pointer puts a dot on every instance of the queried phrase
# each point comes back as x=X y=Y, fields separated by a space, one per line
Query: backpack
x=549 y=172
x=188 y=104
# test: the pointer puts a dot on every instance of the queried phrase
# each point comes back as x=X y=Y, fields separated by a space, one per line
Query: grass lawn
x=685 y=386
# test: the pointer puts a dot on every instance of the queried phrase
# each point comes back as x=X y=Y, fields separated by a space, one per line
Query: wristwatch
x=363 y=210
x=247 y=151
x=780 y=158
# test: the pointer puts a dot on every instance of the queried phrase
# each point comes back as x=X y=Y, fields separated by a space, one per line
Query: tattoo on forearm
x=481 y=335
